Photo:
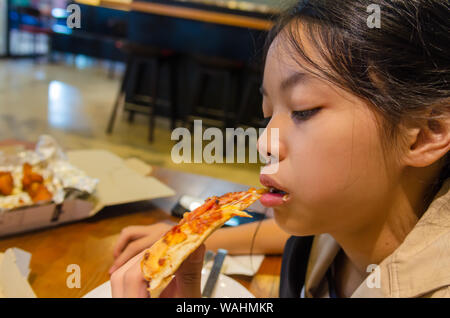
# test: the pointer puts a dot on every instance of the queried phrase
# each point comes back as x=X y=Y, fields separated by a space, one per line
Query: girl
x=364 y=130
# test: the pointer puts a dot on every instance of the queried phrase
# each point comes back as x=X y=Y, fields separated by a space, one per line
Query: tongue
x=272 y=199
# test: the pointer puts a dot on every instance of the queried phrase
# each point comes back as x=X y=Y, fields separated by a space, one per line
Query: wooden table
x=89 y=243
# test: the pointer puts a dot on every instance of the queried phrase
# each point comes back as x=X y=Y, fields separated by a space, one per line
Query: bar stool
x=215 y=71
x=136 y=55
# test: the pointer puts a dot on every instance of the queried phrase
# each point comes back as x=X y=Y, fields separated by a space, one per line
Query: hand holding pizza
x=128 y=282
x=134 y=239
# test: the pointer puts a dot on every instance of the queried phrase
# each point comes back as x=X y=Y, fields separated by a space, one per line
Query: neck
x=372 y=242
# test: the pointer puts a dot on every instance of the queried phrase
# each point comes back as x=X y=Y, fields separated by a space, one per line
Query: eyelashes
x=298 y=116
x=304 y=115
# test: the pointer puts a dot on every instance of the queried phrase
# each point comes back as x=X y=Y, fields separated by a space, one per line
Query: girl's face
x=330 y=154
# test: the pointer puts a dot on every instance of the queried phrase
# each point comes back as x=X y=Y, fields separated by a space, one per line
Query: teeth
x=275 y=190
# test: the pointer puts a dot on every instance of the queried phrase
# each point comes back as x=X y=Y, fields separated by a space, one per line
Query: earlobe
x=429 y=143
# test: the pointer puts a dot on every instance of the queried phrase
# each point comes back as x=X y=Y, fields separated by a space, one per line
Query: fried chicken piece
x=6 y=183
x=39 y=192
x=32 y=183
x=29 y=176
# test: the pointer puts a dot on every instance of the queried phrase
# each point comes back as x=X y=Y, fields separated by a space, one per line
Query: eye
x=304 y=115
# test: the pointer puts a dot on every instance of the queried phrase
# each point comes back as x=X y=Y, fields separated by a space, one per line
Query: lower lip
x=272 y=199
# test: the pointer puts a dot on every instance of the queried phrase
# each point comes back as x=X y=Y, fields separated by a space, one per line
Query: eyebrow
x=289 y=82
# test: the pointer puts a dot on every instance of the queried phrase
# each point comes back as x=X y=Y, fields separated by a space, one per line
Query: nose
x=270 y=144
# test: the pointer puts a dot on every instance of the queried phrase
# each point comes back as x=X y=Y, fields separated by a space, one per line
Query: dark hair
x=401 y=69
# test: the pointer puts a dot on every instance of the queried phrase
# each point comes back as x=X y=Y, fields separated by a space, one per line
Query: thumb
x=188 y=276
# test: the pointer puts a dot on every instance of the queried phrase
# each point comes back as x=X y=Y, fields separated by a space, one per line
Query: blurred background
x=133 y=72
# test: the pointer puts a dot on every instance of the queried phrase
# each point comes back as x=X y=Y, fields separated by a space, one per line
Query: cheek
x=336 y=165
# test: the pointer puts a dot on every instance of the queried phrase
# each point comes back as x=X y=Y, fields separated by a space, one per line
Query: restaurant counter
x=223 y=28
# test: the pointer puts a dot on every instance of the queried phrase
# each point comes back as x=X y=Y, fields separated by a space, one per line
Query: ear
x=428 y=143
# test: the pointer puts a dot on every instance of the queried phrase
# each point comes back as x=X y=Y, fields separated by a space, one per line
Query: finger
x=188 y=276
x=135 y=286
x=130 y=251
x=130 y=233
x=118 y=277
x=117 y=284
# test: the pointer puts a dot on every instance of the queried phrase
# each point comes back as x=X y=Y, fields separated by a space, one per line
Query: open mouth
x=278 y=191
x=285 y=196
x=275 y=196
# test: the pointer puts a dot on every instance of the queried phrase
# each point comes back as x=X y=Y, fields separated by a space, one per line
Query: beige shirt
x=419 y=267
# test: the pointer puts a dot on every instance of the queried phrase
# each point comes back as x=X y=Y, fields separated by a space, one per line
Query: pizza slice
x=165 y=256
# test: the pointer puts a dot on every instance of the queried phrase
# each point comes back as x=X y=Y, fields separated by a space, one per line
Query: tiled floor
x=72 y=102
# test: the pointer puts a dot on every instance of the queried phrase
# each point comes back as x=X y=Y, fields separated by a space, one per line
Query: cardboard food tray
x=120 y=182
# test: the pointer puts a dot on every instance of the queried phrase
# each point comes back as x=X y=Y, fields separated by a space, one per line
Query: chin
x=285 y=220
